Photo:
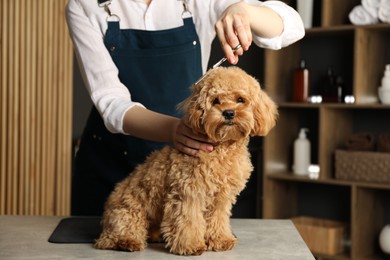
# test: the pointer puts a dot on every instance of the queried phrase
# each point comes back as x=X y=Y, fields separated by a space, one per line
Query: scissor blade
x=219 y=62
x=216 y=65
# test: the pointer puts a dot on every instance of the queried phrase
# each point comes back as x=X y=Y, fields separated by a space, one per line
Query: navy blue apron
x=158 y=68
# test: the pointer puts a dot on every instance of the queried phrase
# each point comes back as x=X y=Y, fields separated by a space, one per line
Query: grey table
x=25 y=237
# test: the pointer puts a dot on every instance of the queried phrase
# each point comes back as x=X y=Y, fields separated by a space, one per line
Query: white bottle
x=301 y=154
x=386 y=78
x=305 y=10
x=384 y=239
x=384 y=90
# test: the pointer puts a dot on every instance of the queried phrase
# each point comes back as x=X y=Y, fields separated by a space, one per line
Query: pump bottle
x=301 y=153
x=301 y=83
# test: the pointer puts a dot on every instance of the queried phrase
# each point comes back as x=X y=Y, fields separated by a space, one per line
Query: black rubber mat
x=76 y=230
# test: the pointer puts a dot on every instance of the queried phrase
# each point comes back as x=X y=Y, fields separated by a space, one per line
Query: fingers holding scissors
x=233 y=28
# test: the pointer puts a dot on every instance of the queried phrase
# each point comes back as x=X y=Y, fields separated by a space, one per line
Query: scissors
x=217 y=64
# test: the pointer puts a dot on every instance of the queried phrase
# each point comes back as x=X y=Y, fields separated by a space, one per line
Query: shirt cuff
x=115 y=125
x=292 y=24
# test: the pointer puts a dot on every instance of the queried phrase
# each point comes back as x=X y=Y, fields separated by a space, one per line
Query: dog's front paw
x=221 y=244
x=120 y=244
x=188 y=250
x=105 y=243
x=131 y=245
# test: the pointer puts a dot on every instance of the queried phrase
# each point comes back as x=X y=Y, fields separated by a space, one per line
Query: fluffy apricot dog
x=187 y=199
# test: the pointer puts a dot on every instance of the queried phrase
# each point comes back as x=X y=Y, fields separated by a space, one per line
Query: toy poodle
x=187 y=200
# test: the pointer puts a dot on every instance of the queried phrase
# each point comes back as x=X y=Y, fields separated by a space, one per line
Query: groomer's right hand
x=233 y=28
x=188 y=142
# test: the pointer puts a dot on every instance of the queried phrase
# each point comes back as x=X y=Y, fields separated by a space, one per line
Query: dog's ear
x=192 y=110
x=265 y=112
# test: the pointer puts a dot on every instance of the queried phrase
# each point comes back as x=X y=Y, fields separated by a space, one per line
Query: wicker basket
x=362 y=166
x=322 y=236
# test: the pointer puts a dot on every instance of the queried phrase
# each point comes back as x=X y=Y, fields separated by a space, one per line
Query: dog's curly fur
x=188 y=199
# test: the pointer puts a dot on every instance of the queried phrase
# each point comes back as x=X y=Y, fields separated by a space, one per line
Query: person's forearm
x=149 y=125
x=264 y=22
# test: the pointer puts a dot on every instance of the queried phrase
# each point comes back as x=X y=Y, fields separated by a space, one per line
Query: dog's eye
x=240 y=100
x=216 y=101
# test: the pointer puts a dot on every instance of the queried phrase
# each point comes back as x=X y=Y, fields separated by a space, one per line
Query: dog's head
x=228 y=104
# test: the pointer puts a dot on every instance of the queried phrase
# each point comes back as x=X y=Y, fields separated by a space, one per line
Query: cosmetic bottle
x=384 y=89
x=301 y=154
x=386 y=77
x=329 y=89
x=340 y=89
x=384 y=239
x=301 y=83
x=305 y=10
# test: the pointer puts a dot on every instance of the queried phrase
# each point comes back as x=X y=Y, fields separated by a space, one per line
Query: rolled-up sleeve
x=111 y=98
x=293 y=26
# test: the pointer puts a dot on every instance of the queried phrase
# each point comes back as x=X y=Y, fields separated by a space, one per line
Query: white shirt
x=87 y=24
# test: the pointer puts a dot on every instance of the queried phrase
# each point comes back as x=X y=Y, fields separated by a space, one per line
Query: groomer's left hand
x=189 y=142
x=233 y=28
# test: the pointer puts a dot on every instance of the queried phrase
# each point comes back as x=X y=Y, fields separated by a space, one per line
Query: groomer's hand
x=233 y=28
x=188 y=142
x=240 y=22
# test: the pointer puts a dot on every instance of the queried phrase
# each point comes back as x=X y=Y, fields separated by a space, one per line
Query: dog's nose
x=228 y=114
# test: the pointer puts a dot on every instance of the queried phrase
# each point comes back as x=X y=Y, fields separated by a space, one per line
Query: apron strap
x=186 y=11
x=105 y=4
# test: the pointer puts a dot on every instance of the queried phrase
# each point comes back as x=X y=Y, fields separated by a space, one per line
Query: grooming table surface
x=27 y=237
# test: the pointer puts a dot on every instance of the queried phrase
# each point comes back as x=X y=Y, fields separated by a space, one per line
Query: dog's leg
x=219 y=236
x=183 y=225
x=123 y=229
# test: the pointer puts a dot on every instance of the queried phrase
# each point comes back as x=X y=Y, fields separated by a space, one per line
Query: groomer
x=138 y=59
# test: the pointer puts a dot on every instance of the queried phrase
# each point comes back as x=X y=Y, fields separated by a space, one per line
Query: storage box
x=322 y=236
x=362 y=166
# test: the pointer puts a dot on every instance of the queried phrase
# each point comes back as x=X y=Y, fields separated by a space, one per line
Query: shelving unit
x=359 y=54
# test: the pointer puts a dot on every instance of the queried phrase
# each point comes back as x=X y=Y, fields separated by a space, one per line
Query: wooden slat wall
x=36 y=107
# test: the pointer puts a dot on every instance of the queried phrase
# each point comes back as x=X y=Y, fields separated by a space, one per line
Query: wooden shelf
x=359 y=54
x=333 y=105
x=334 y=30
x=289 y=176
